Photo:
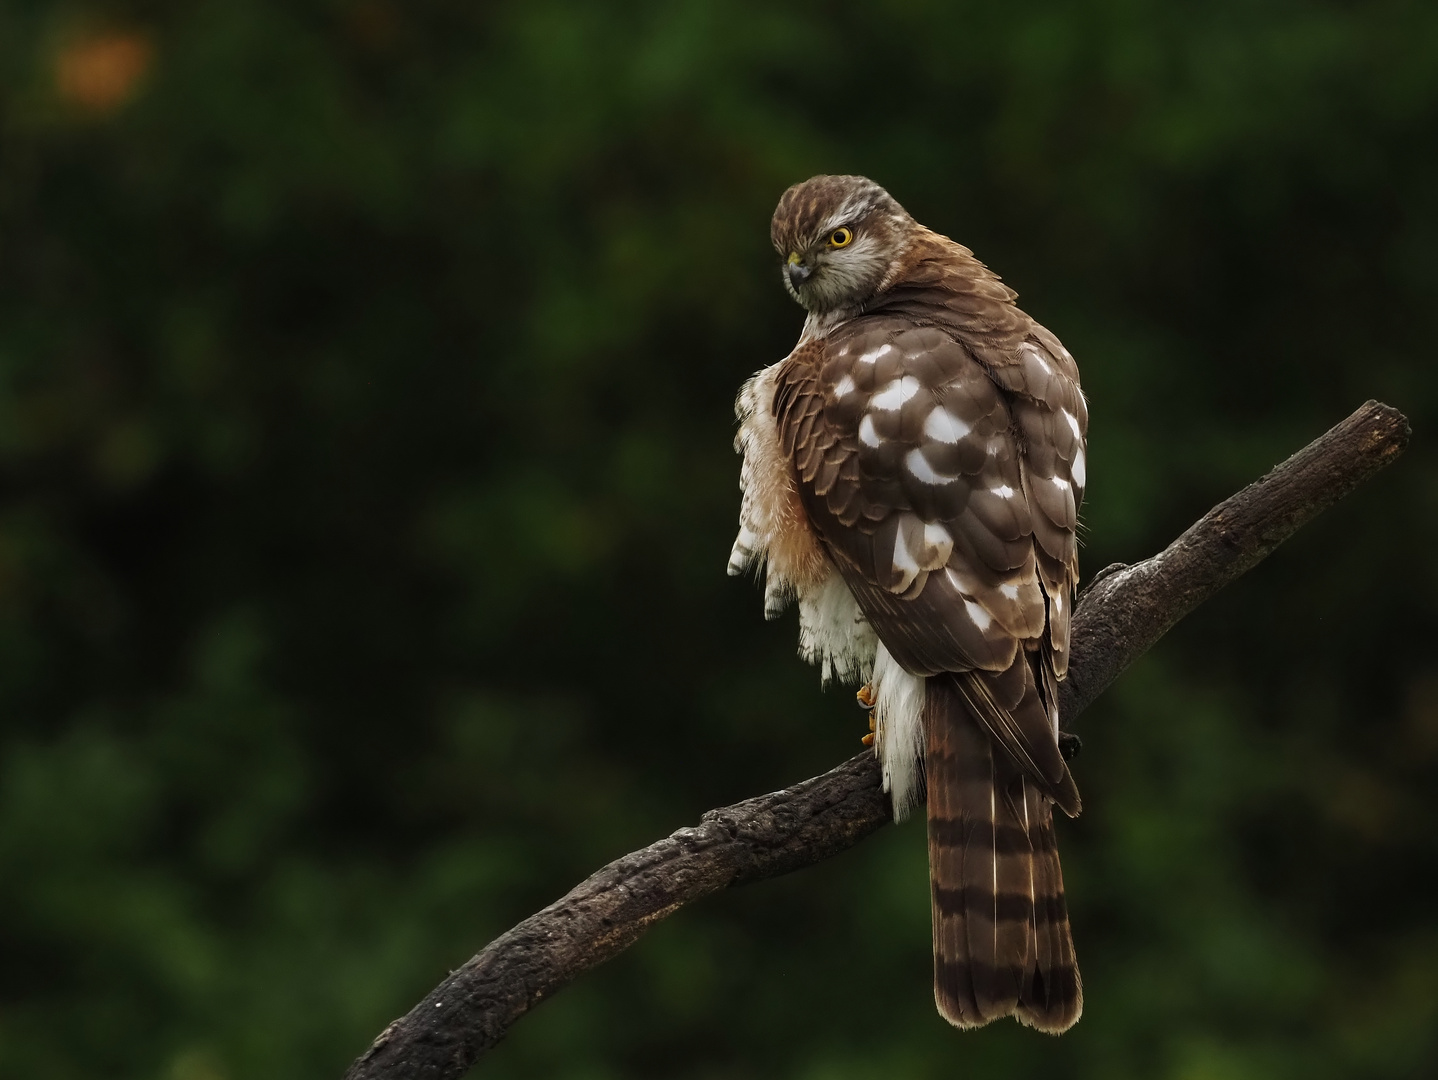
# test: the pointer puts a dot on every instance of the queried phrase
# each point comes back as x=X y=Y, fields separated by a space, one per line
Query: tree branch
x=1119 y=616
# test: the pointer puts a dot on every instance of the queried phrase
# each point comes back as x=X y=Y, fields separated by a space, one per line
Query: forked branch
x=1118 y=617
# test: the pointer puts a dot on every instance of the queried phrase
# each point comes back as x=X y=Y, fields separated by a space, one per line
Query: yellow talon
x=868 y=740
x=868 y=699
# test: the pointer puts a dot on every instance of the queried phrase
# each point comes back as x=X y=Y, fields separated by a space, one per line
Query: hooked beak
x=798 y=272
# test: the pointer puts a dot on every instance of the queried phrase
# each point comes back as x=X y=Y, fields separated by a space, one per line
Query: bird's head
x=840 y=238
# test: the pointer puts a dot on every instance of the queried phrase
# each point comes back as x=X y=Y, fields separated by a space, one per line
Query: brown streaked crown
x=823 y=276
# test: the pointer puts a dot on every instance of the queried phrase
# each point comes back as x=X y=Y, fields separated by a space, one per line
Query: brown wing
x=946 y=489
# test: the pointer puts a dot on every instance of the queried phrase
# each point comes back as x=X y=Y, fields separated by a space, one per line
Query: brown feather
x=937 y=437
x=1002 y=945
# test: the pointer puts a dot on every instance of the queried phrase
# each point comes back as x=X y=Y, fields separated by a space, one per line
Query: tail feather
x=1002 y=945
x=1056 y=998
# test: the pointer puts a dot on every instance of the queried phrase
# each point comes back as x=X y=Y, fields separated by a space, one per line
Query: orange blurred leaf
x=101 y=72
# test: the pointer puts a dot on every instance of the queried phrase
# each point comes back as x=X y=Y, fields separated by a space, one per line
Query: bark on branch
x=1122 y=612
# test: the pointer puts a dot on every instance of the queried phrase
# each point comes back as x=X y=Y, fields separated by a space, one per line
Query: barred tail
x=1002 y=945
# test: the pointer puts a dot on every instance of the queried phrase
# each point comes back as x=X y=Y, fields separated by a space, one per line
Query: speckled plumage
x=912 y=474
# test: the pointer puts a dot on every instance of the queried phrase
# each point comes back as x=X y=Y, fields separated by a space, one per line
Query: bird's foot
x=868 y=700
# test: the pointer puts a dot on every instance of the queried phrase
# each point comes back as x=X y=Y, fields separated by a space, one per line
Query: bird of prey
x=912 y=475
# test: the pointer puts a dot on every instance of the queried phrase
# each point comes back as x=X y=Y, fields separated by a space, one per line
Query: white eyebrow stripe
x=896 y=394
x=854 y=206
x=943 y=426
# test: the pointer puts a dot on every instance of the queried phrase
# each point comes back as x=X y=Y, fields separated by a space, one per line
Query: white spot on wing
x=1010 y=592
x=867 y=435
x=904 y=562
x=873 y=356
x=845 y=387
x=945 y=427
x=938 y=545
x=1060 y=483
x=1073 y=422
x=916 y=464
x=981 y=618
x=896 y=394
x=1040 y=359
x=1003 y=491
x=1079 y=469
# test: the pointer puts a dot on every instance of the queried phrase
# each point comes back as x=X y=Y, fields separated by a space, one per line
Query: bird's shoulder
x=941 y=481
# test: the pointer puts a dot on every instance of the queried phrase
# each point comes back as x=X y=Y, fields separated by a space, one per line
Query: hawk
x=912 y=474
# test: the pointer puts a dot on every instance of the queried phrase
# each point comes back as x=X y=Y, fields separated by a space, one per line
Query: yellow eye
x=840 y=237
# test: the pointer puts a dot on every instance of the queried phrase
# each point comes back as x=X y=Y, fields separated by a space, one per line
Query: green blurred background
x=366 y=376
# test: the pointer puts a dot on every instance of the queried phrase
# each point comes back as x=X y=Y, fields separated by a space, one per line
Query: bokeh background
x=366 y=486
